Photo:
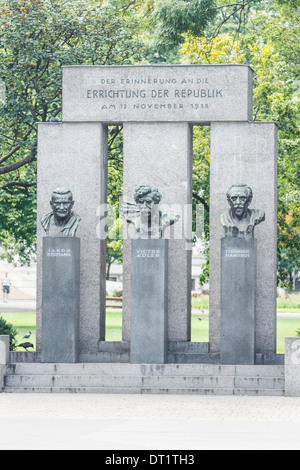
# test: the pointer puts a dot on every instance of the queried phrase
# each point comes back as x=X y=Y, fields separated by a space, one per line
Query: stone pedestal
x=149 y=282
x=160 y=154
x=238 y=282
x=245 y=153
x=292 y=367
x=60 y=299
x=4 y=358
x=4 y=349
x=74 y=156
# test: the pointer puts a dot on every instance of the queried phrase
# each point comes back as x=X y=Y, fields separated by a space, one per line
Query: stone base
x=149 y=288
x=292 y=367
x=238 y=281
x=60 y=300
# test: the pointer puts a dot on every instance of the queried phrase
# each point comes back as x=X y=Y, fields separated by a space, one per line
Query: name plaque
x=148 y=253
x=236 y=253
x=59 y=252
x=60 y=299
x=238 y=297
x=193 y=93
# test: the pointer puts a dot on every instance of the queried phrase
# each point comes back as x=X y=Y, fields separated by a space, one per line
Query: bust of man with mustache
x=239 y=220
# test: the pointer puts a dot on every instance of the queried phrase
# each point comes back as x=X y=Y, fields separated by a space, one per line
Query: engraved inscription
x=120 y=94
x=236 y=253
x=59 y=252
x=148 y=253
x=151 y=93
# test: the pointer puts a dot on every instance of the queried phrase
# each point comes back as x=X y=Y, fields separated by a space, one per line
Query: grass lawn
x=285 y=328
x=290 y=303
x=25 y=322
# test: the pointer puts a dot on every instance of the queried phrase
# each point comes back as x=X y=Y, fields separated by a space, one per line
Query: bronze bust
x=62 y=221
x=239 y=220
x=149 y=220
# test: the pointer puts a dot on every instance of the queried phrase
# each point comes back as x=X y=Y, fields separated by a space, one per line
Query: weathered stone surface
x=238 y=287
x=160 y=154
x=149 y=315
x=292 y=367
x=193 y=93
x=60 y=299
x=246 y=153
x=75 y=156
x=4 y=349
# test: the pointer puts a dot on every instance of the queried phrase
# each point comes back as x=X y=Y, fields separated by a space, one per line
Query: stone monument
x=158 y=107
x=61 y=280
x=238 y=277
x=149 y=276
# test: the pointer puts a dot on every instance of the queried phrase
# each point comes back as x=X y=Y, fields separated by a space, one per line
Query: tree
x=7 y=329
x=274 y=100
x=38 y=37
x=280 y=32
x=170 y=20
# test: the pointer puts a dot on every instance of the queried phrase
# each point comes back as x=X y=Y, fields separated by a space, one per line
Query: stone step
x=179 y=353
x=173 y=382
x=193 y=358
x=202 y=379
x=188 y=347
x=145 y=369
x=145 y=390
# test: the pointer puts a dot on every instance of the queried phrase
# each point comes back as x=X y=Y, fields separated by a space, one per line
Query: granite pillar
x=4 y=349
x=4 y=358
x=160 y=154
x=60 y=299
x=74 y=155
x=246 y=153
x=238 y=289
x=292 y=367
x=149 y=303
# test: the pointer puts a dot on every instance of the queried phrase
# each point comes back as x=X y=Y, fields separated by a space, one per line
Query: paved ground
x=140 y=422
x=26 y=305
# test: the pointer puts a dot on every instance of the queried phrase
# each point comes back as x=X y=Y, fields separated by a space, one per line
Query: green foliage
x=277 y=99
x=171 y=20
x=289 y=303
x=37 y=38
x=8 y=329
x=114 y=251
x=176 y=17
x=201 y=165
x=17 y=223
x=275 y=82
